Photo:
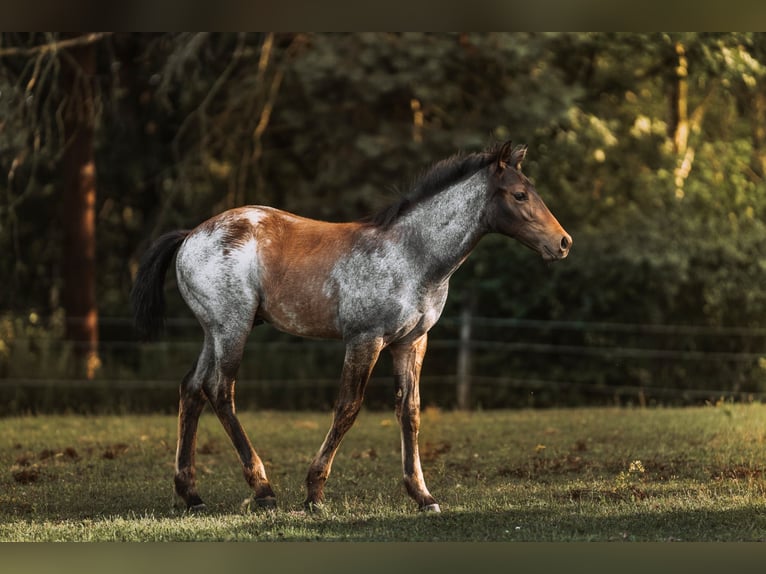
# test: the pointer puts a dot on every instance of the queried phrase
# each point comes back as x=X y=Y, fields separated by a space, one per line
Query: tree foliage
x=649 y=148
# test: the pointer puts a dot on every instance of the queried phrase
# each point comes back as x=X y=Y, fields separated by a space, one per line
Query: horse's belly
x=302 y=318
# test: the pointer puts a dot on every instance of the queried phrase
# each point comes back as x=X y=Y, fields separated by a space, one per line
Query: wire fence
x=500 y=363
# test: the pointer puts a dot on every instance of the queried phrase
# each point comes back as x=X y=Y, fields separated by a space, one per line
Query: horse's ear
x=518 y=156
x=505 y=156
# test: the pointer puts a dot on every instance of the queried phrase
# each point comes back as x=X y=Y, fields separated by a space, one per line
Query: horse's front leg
x=408 y=360
x=361 y=357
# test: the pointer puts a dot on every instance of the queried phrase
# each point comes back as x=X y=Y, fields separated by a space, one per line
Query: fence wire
x=509 y=358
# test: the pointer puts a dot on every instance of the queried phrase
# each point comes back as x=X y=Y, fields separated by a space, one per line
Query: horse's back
x=265 y=263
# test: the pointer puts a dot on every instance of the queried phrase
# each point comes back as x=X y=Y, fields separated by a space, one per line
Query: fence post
x=464 y=355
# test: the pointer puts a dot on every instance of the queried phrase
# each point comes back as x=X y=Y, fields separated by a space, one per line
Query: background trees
x=648 y=147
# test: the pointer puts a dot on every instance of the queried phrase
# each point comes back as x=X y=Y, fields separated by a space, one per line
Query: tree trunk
x=680 y=116
x=683 y=123
x=759 y=132
x=78 y=174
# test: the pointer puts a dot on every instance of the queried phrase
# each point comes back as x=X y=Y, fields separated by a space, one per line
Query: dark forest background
x=649 y=148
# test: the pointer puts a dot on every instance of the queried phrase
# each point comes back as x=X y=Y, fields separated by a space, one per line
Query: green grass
x=695 y=474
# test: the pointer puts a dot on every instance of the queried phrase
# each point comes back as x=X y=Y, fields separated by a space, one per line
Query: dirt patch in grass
x=113 y=451
x=28 y=468
x=430 y=451
x=210 y=447
x=370 y=453
x=25 y=474
x=69 y=453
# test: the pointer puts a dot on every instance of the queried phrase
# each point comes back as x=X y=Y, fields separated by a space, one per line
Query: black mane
x=440 y=176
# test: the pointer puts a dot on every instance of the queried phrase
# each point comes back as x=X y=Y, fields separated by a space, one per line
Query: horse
x=376 y=283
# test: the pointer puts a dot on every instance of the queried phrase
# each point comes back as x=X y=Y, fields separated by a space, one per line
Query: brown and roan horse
x=376 y=284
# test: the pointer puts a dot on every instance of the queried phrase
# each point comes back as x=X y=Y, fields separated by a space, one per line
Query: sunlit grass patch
x=553 y=475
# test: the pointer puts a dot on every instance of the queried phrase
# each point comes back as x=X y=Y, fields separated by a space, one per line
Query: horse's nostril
x=566 y=242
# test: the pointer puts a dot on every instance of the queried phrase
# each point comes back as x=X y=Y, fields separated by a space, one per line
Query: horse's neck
x=444 y=228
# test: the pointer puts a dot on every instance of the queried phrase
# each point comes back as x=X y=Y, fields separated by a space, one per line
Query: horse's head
x=516 y=210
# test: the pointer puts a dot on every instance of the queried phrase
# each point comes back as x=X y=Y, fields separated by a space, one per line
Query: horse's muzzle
x=565 y=245
x=551 y=253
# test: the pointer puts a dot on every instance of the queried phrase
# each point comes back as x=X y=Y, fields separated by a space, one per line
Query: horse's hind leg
x=220 y=392
x=252 y=466
x=191 y=403
x=213 y=378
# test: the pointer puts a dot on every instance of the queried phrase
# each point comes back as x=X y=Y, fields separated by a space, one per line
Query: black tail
x=148 y=296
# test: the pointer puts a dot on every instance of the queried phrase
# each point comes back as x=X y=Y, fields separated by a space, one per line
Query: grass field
x=606 y=474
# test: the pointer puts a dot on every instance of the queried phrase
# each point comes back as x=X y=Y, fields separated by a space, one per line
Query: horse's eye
x=520 y=196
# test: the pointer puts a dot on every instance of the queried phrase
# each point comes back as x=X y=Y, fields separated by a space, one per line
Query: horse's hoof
x=197 y=508
x=430 y=508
